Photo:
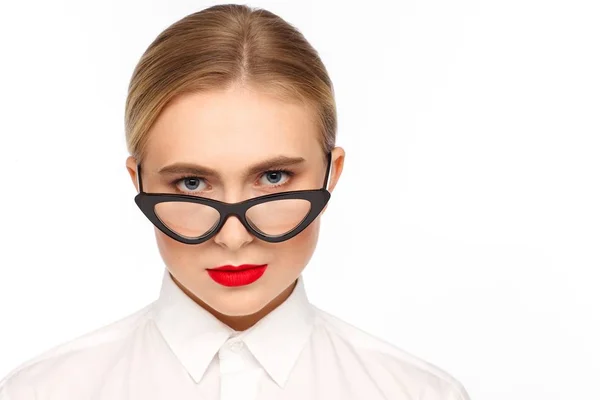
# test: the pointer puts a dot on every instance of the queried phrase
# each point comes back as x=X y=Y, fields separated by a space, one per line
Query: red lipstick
x=229 y=275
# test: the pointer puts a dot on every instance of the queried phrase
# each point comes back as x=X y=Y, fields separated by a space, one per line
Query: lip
x=241 y=275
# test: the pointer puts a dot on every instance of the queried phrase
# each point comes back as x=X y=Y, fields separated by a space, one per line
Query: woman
x=231 y=122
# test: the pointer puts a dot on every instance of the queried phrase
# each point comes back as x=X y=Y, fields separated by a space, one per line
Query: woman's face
x=230 y=132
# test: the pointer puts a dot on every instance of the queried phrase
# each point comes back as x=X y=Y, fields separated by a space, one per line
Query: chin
x=237 y=310
x=239 y=304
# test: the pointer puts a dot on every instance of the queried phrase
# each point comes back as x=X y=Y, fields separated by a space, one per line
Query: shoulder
x=388 y=365
x=74 y=361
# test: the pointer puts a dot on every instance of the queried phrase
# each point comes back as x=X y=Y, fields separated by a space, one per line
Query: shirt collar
x=195 y=335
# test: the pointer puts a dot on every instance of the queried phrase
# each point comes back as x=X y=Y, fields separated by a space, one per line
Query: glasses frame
x=318 y=199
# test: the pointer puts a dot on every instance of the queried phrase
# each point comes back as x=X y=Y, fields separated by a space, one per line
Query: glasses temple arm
x=327 y=172
x=139 y=178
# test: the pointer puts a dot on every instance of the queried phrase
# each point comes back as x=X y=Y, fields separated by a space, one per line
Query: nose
x=233 y=235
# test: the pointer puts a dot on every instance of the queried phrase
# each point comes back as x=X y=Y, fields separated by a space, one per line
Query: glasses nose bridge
x=233 y=209
x=233 y=236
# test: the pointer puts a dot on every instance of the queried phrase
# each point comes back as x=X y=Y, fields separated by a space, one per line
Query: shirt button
x=236 y=345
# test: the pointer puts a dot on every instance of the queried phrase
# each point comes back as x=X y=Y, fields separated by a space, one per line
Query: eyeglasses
x=274 y=218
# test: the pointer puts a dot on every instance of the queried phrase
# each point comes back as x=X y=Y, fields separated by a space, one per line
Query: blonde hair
x=221 y=46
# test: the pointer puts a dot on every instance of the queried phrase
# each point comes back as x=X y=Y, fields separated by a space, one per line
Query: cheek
x=299 y=250
x=174 y=253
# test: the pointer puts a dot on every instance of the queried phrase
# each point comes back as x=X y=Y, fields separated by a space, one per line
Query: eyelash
x=290 y=175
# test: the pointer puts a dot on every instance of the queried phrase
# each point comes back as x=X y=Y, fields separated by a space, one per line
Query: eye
x=276 y=178
x=189 y=184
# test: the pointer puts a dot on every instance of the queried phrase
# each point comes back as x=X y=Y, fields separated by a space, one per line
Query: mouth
x=242 y=275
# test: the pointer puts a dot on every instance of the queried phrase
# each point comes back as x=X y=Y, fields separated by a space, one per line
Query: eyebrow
x=199 y=170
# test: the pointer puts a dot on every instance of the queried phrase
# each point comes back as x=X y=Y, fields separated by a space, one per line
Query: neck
x=241 y=322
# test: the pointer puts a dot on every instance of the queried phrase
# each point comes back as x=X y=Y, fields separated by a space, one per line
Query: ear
x=131 y=164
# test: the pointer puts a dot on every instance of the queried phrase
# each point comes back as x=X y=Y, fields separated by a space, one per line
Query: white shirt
x=174 y=349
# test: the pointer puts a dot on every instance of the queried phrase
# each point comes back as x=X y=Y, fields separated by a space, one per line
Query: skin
x=248 y=127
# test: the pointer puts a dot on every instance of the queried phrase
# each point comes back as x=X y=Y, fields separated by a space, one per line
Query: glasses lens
x=276 y=218
x=190 y=220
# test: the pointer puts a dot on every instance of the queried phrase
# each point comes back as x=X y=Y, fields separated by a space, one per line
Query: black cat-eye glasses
x=274 y=218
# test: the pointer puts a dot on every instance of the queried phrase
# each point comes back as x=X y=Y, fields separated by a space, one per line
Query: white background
x=465 y=228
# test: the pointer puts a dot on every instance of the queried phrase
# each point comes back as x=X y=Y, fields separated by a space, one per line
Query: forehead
x=238 y=126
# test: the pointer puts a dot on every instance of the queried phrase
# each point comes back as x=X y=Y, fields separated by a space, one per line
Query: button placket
x=239 y=375
x=231 y=358
x=236 y=345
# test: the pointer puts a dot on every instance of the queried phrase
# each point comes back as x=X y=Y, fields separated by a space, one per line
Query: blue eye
x=276 y=178
x=189 y=184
